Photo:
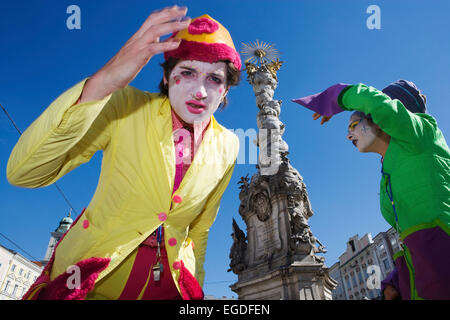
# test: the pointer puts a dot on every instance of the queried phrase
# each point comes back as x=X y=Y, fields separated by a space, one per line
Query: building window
x=349 y=285
x=13 y=268
x=354 y=280
x=360 y=277
x=6 y=286
x=386 y=264
x=393 y=241
x=352 y=245
x=14 y=291
x=20 y=272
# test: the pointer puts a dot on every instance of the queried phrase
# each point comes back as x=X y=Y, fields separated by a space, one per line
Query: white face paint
x=361 y=133
x=197 y=88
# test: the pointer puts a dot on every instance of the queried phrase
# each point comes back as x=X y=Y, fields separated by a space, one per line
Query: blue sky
x=322 y=42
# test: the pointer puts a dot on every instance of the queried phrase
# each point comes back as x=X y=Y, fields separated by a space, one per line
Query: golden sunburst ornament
x=259 y=52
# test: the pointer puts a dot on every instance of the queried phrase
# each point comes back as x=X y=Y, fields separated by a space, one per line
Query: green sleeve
x=390 y=115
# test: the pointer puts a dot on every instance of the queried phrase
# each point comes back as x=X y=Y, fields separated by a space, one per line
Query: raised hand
x=136 y=53
x=324 y=118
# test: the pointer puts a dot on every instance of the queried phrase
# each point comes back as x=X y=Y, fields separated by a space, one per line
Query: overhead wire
x=1 y=234
x=55 y=184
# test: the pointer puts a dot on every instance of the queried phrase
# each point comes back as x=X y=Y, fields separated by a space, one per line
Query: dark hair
x=361 y=114
x=233 y=77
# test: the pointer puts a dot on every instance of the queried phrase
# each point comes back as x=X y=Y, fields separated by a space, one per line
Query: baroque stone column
x=277 y=259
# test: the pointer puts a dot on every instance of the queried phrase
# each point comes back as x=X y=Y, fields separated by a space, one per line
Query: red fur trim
x=45 y=274
x=189 y=286
x=88 y=272
x=57 y=289
x=203 y=51
x=203 y=25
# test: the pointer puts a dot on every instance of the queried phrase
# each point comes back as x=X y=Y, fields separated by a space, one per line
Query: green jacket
x=417 y=160
x=414 y=192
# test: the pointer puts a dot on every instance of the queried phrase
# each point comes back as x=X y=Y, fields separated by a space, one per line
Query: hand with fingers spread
x=136 y=53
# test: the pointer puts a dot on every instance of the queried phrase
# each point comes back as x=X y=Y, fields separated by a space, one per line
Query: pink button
x=180 y=154
x=177 y=198
x=85 y=223
x=172 y=242
x=176 y=265
x=162 y=216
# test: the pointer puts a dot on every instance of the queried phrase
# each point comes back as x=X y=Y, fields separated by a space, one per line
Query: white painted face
x=197 y=88
x=361 y=133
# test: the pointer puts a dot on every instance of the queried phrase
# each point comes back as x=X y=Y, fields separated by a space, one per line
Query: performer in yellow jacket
x=144 y=233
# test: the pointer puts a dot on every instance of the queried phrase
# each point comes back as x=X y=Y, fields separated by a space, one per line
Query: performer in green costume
x=415 y=178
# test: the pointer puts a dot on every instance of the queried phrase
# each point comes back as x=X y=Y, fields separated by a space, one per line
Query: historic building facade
x=17 y=274
x=278 y=257
x=363 y=265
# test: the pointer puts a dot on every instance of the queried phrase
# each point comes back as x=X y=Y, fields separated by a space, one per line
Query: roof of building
x=10 y=250
x=39 y=264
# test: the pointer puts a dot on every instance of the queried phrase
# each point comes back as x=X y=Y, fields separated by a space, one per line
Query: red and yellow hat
x=205 y=40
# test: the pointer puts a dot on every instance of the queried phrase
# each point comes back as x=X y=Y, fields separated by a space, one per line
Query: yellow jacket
x=134 y=130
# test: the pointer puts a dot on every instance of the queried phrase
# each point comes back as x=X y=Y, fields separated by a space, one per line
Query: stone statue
x=238 y=249
x=279 y=253
x=262 y=206
x=243 y=195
